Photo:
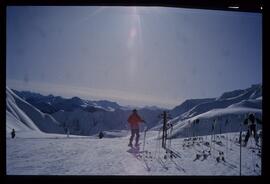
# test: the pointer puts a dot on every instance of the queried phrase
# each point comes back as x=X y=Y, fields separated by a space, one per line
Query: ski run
x=55 y=154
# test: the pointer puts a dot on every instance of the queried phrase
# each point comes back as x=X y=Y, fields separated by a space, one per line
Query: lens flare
x=134 y=40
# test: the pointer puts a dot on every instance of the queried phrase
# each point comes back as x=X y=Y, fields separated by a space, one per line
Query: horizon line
x=90 y=94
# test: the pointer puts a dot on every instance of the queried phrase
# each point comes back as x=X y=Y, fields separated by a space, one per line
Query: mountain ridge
x=84 y=119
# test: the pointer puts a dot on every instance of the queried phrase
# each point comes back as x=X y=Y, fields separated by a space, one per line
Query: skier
x=13 y=134
x=100 y=135
x=134 y=119
x=251 y=122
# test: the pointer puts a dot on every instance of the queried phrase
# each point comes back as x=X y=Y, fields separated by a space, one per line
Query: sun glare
x=134 y=40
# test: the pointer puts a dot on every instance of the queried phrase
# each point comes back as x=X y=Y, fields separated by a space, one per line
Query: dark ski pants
x=133 y=133
x=252 y=128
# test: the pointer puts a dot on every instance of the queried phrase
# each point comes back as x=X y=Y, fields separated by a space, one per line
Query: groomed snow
x=53 y=154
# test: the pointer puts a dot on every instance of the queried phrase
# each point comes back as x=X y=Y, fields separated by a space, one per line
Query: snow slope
x=187 y=105
x=23 y=116
x=226 y=120
x=15 y=117
x=227 y=99
x=56 y=155
x=228 y=111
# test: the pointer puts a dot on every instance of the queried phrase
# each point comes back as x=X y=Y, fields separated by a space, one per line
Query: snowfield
x=55 y=154
x=42 y=148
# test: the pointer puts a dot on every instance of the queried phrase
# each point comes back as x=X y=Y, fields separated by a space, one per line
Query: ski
x=168 y=159
x=173 y=153
x=177 y=166
x=204 y=152
x=162 y=163
x=220 y=143
x=232 y=166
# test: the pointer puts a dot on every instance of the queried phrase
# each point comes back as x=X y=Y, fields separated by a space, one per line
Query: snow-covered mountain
x=153 y=107
x=225 y=120
x=105 y=104
x=22 y=116
x=85 y=123
x=80 y=122
x=187 y=105
x=85 y=117
x=225 y=113
x=15 y=117
x=51 y=104
x=227 y=99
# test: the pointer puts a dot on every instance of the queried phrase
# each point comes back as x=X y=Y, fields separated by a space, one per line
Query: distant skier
x=13 y=134
x=134 y=119
x=251 y=122
x=100 y=135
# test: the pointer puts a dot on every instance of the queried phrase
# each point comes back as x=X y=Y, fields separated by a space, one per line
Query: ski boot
x=130 y=144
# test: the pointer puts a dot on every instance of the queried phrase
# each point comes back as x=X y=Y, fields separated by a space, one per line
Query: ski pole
x=144 y=137
x=226 y=130
x=157 y=144
x=240 y=139
x=252 y=156
x=171 y=127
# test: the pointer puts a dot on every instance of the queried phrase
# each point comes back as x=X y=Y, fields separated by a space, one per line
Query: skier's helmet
x=134 y=110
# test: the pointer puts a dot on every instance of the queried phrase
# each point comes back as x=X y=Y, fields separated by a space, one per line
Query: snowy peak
x=20 y=114
x=234 y=98
x=252 y=103
x=106 y=105
x=51 y=104
x=153 y=107
x=188 y=104
x=253 y=92
x=231 y=94
x=85 y=117
x=225 y=113
x=27 y=95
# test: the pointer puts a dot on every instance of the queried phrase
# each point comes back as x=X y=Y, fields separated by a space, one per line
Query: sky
x=132 y=55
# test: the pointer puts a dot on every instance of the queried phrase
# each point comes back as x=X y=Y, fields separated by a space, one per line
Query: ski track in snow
x=111 y=156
